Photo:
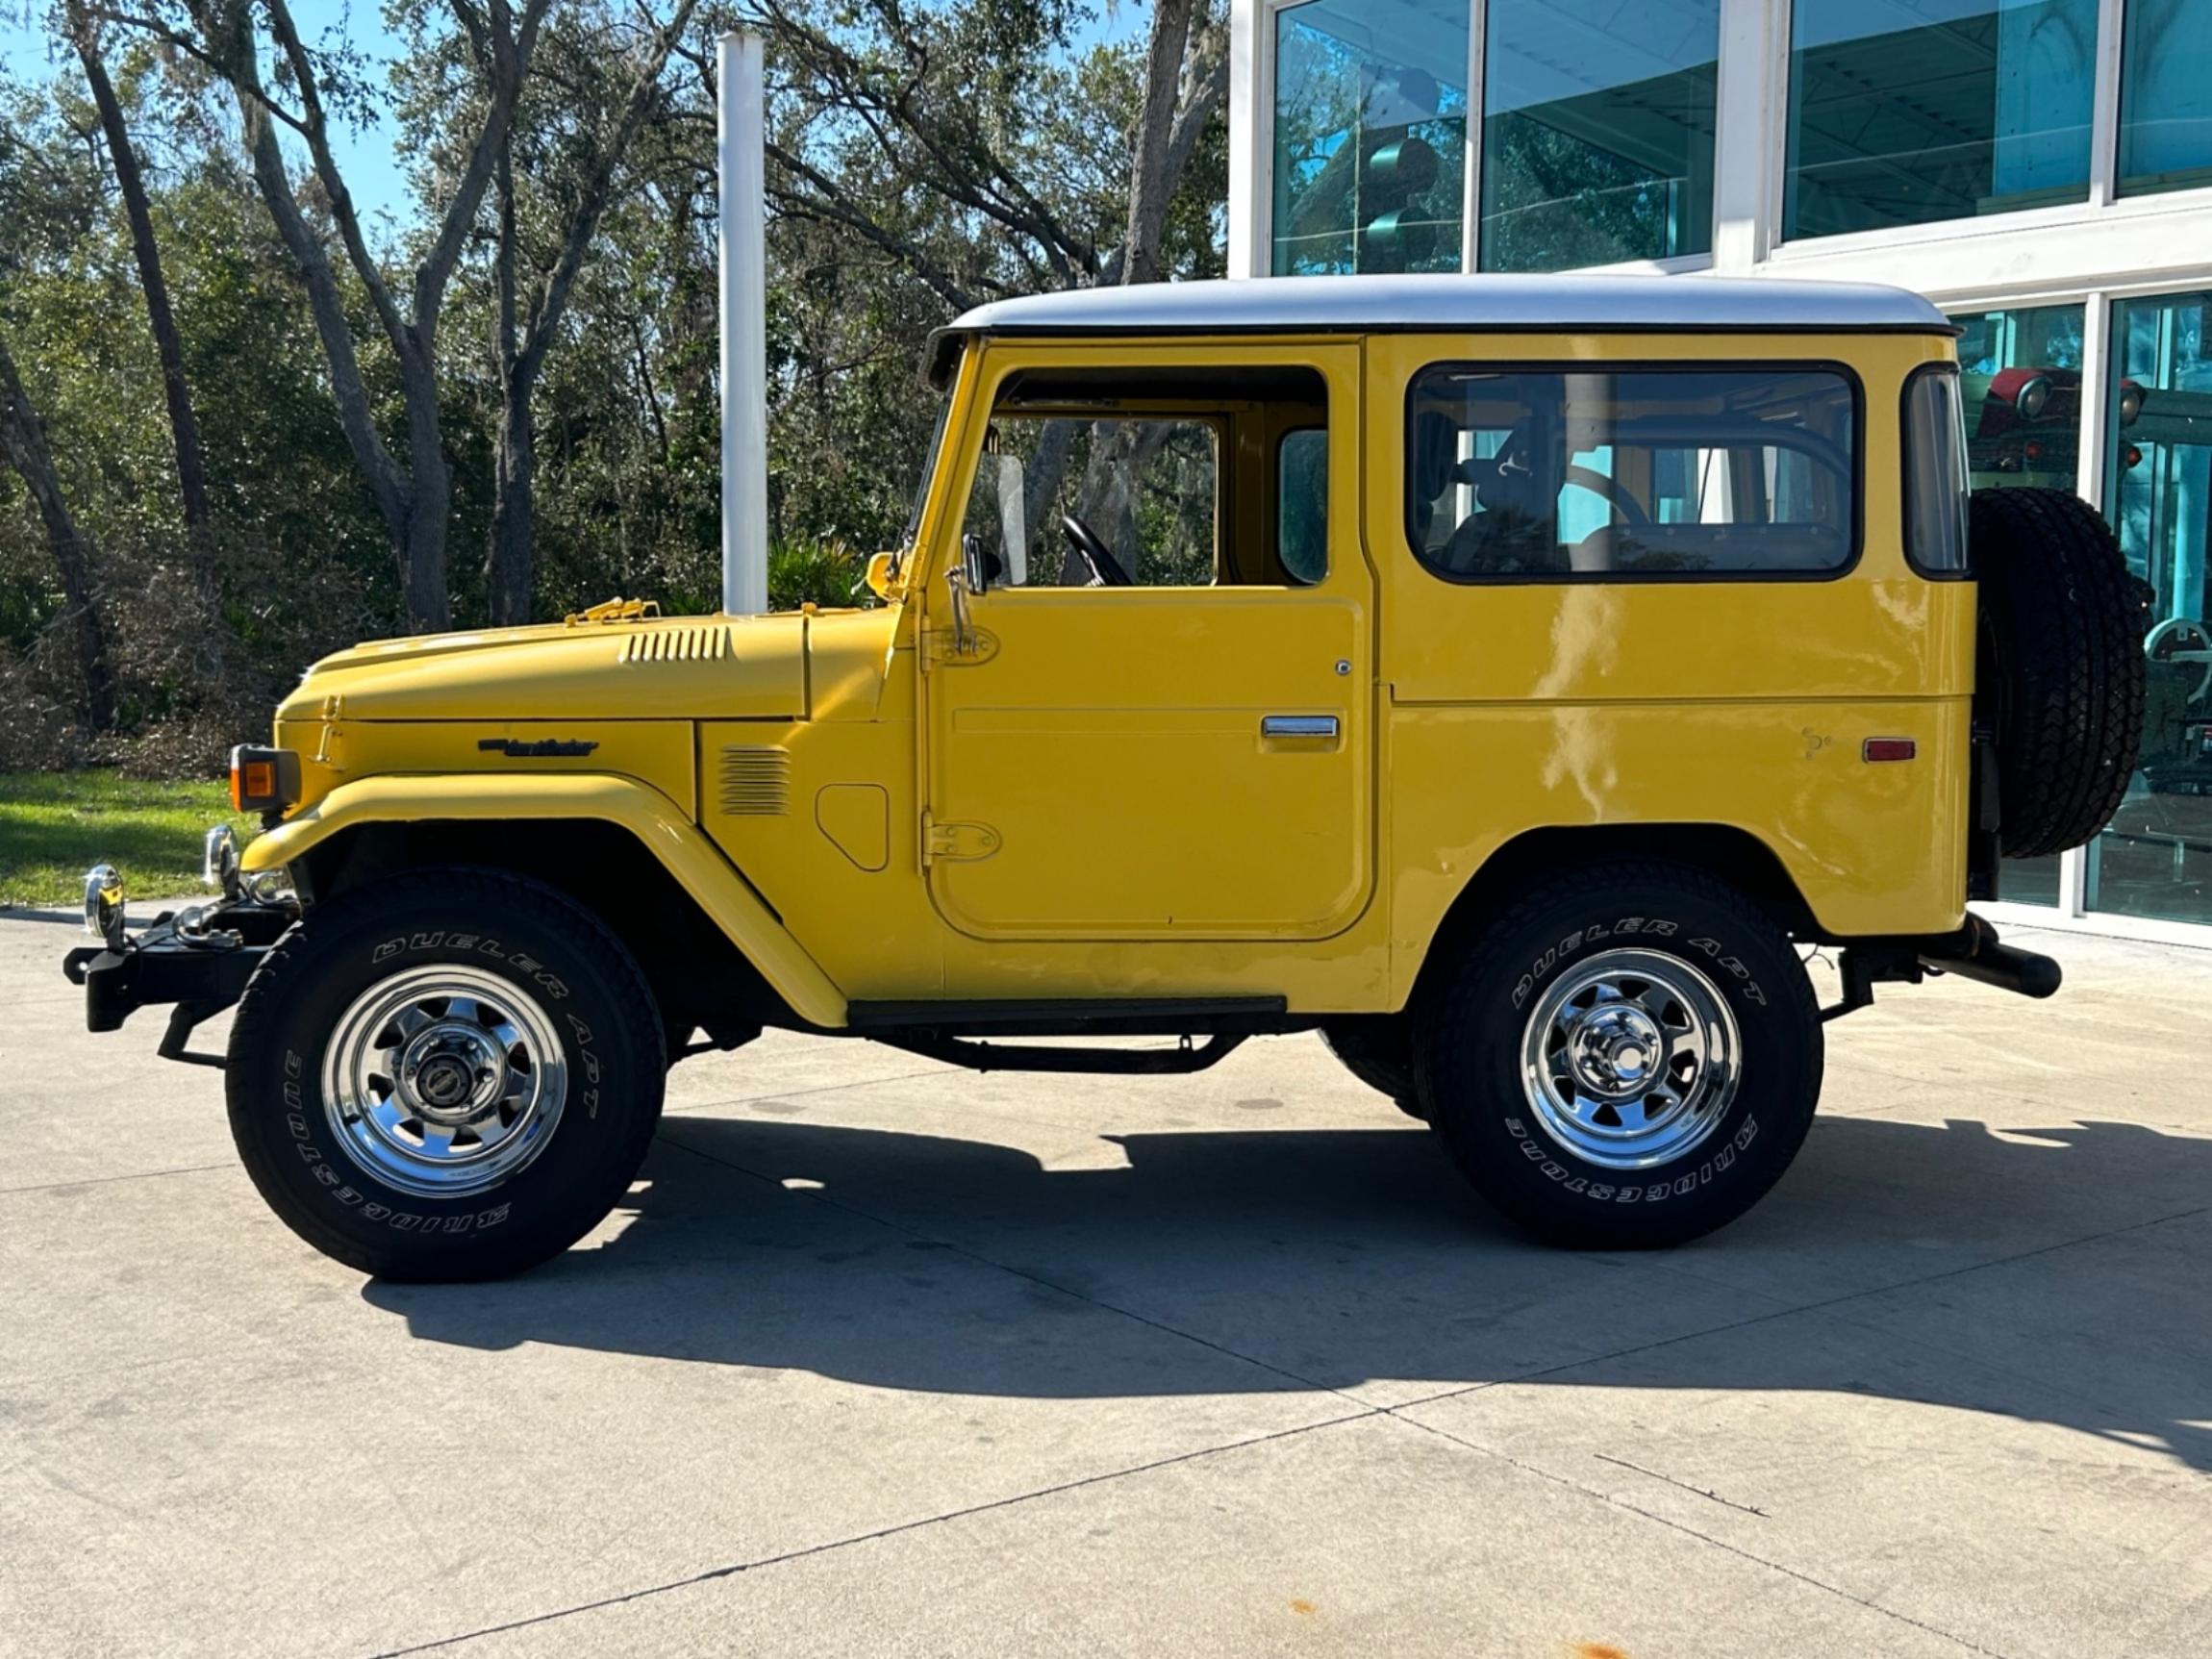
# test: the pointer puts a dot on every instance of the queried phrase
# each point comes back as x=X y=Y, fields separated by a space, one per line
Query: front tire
x=451 y=1074
x=1628 y=1058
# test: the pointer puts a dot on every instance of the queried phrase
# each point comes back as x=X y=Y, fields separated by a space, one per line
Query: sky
x=367 y=159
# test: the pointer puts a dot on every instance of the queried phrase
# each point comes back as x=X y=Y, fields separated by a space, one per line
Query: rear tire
x=451 y=1074
x=1628 y=1058
x=2062 y=664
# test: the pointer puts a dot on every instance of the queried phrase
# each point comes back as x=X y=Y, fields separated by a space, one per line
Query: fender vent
x=700 y=644
x=756 y=783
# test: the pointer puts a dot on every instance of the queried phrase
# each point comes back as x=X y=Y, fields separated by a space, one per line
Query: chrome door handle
x=1297 y=725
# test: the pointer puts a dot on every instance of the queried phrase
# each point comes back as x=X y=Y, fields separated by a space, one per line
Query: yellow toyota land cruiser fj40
x=1511 y=679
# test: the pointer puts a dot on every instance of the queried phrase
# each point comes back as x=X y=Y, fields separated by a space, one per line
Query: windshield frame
x=934 y=455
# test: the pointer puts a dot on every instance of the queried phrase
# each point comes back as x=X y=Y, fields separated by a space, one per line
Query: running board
x=1074 y=1017
x=1186 y=1057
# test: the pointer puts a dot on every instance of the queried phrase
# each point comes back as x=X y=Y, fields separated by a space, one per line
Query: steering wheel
x=1105 y=569
x=1630 y=511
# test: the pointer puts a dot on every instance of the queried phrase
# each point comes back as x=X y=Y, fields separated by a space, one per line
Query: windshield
x=921 y=486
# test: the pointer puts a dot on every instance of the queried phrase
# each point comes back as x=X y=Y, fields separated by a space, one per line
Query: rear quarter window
x=1634 y=473
x=1935 y=481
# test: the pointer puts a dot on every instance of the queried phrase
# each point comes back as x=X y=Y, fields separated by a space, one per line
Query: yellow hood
x=675 y=668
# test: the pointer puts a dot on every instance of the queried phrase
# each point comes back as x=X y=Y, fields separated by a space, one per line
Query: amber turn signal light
x=264 y=780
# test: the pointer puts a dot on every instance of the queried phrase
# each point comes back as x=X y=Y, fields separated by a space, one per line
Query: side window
x=1645 y=472
x=1302 y=504
x=1145 y=491
x=1935 y=473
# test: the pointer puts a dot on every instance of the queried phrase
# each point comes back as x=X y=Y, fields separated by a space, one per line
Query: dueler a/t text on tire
x=449 y=1075
x=1628 y=1057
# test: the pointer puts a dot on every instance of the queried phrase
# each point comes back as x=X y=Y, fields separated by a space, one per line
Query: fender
x=693 y=860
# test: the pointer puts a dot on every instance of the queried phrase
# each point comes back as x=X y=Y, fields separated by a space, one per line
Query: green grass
x=54 y=826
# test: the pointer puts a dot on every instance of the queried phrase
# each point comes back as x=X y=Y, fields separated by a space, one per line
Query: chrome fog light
x=104 y=905
x=220 y=860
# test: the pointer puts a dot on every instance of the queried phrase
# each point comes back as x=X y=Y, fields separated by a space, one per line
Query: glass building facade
x=1912 y=112
x=2041 y=168
x=1370 y=136
x=1597 y=131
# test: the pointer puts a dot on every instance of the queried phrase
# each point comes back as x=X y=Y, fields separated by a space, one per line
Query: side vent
x=756 y=783
x=700 y=644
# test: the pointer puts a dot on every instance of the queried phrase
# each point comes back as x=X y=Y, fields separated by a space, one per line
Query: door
x=1166 y=733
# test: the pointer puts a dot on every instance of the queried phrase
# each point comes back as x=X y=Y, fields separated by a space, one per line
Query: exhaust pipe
x=1975 y=952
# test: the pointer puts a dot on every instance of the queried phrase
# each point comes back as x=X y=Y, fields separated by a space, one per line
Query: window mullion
x=2089 y=480
x=2104 y=117
x=1471 y=196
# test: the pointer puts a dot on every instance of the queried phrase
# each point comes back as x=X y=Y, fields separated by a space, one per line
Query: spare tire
x=2061 y=669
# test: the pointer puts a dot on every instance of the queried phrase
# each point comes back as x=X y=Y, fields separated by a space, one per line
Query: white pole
x=741 y=116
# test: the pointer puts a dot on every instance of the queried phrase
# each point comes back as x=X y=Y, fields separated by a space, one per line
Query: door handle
x=1297 y=725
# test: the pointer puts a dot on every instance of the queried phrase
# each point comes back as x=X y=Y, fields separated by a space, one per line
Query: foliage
x=825 y=573
x=55 y=825
x=927 y=154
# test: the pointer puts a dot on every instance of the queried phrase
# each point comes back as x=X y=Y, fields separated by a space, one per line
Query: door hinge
x=944 y=646
x=955 y=842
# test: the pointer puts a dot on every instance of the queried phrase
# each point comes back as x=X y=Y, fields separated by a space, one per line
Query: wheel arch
x=707 y=940
x=1725 y=851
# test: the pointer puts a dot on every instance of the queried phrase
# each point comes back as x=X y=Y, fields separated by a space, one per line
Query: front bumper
x=195 y=960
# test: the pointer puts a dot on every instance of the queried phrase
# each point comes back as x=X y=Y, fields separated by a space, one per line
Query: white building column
x=740 y=110
x=1250 y=82
x=1749 y=133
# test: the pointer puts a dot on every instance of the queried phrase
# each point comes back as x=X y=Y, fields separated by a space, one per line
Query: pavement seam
x=1817 y=1307
x=1028 y=1277
x=1364 y=1413
x=110 y=1180
x=795 y=1093
x=1689 y=1531
x=1396 y=1411
x=1536 y=1375
x=734 y=1568
x=1686 y=1485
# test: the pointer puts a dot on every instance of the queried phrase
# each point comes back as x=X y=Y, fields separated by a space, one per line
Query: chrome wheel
x=444 y=1080
x=1630 y=1060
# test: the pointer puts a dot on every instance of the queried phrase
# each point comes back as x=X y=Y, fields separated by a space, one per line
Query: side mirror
x=879 y=569
x=979 y=565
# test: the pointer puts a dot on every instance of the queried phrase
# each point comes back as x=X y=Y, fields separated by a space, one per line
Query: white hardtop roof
x=1461 y=304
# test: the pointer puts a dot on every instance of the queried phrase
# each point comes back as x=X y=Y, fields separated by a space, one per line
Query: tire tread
x=2055 y=604
x=491 y=891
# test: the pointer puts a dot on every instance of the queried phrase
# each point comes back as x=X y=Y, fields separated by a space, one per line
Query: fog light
x=104 y=905
x=2032 y=396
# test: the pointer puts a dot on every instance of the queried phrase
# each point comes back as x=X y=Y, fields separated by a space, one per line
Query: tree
x=958 y=145
x=415 y=497
x=926 y=155
x=23 y=435
x=580 y=181
x=124 y=155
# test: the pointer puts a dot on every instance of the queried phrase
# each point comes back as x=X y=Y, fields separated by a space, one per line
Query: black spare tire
x=2061 y=665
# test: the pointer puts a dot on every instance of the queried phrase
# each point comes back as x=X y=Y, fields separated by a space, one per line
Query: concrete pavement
x=883 y=1358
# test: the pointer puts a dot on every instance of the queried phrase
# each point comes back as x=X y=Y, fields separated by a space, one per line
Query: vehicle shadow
x=1908 y=1259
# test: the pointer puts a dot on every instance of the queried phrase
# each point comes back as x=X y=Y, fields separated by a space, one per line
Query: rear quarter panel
x=1513 y=706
